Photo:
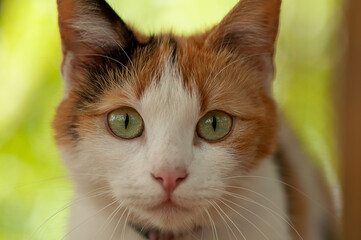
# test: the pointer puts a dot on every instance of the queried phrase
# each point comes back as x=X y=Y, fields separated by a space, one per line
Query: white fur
x=95 y=31
x=170 y=113
x=93 y=27
x=66 y=73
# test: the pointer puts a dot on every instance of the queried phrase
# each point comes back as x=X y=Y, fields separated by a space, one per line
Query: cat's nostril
x=170 y=179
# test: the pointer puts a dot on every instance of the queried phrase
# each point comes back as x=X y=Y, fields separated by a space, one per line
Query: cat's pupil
x=214 y=123
x=126 y=121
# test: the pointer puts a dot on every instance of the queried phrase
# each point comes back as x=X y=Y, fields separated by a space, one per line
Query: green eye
x=214 y=126
x=125 y=123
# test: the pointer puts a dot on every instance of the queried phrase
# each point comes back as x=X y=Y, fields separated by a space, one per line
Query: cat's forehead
x=169 y=98
x=172 y=73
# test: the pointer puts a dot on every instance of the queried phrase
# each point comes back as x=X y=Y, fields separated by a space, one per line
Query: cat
x=171 y=137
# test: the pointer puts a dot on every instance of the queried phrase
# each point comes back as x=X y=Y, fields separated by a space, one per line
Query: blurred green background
x=33 y=186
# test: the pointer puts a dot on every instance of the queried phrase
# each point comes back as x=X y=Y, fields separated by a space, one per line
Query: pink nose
x=170 y=179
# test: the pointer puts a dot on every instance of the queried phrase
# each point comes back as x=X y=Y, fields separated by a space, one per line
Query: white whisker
x=214 y=230
x=236 y=61
x=88 y=219
x=107 y=57
x=126 y=54
x=256 y=215
x=109 y=219
x=125 y=224
x=71 y=203
x=227 y=225
x=256 y=193
x=265 y=207
x=250 y=222
x=118 y=222
x=288 y=185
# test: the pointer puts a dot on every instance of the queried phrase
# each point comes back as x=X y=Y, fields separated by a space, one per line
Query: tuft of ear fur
x=91 y=22
x=250 y=28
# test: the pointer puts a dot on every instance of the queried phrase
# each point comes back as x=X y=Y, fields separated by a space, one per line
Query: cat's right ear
x=250 y=30
x=88 y=28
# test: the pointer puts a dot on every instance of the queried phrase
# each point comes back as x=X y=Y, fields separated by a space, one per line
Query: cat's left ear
x=250 y=29
x=90 y=22
x=89 y=28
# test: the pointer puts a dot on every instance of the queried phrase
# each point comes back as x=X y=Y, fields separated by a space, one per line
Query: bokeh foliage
x=33 y=184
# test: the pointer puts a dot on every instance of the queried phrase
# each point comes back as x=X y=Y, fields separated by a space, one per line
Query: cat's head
x=164 y=122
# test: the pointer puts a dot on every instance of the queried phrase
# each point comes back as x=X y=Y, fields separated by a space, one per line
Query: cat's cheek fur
x=126 y=170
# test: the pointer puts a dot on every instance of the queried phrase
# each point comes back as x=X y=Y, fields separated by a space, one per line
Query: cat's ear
x=89 y=28
x=90 y=22
x=249 y=29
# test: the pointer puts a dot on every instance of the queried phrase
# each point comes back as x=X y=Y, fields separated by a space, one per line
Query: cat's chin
x=168 y=217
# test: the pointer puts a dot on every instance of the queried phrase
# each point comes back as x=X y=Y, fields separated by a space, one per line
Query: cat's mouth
x=169 y=205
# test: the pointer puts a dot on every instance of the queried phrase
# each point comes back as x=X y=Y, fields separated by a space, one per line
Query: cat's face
x=171 y=164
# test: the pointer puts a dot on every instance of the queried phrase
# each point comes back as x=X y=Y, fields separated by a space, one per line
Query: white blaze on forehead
x=170 y=112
